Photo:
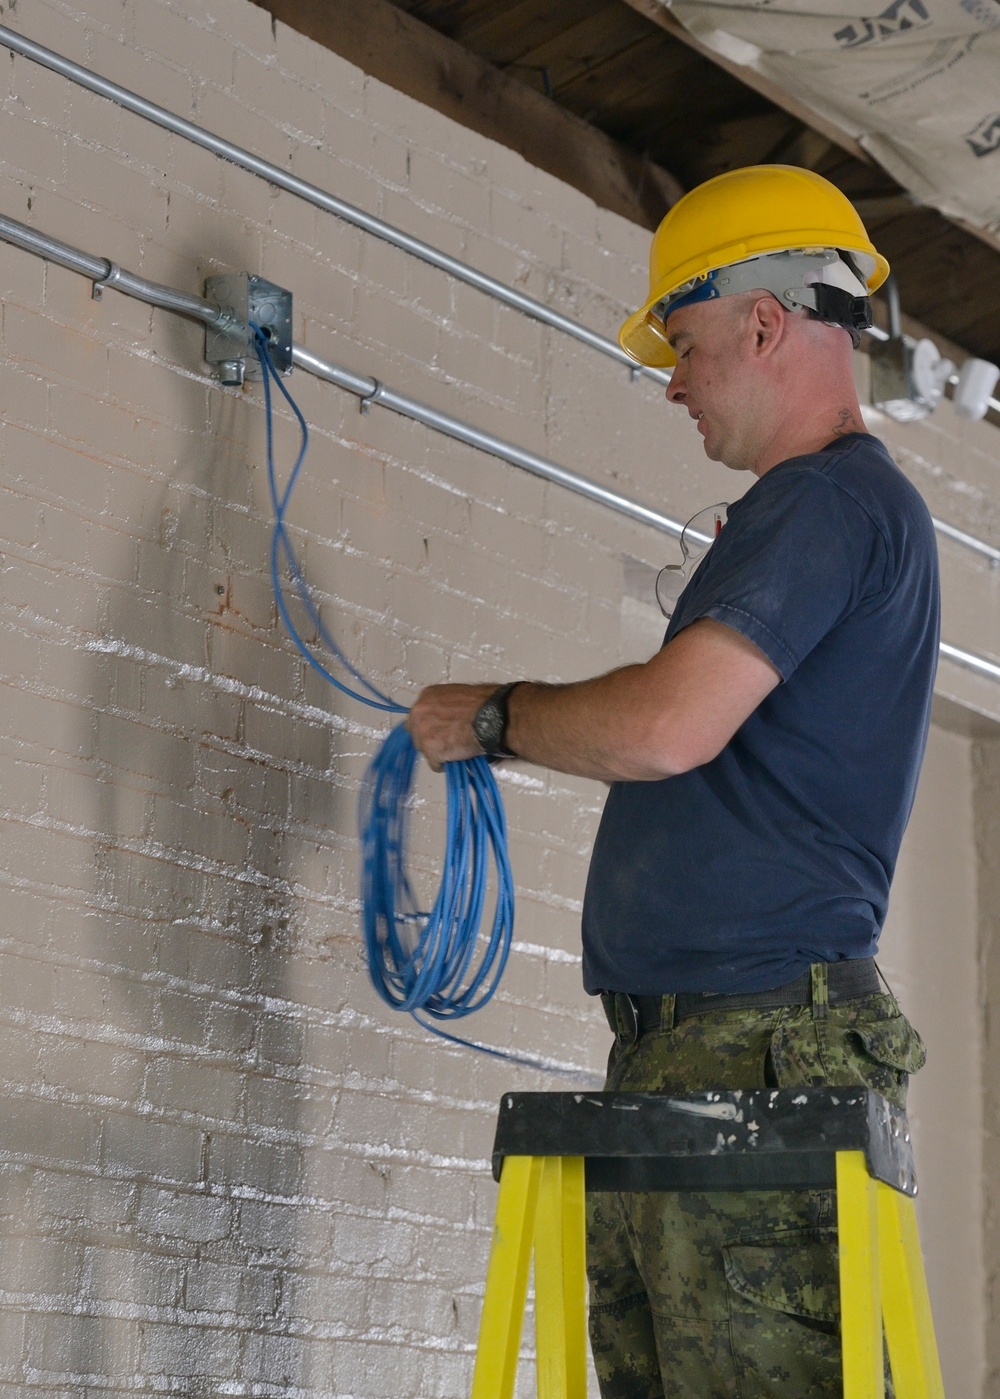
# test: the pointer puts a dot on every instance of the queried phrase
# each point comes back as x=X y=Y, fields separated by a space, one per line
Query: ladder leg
x=507 y=1279
x=860 y=1290
x=909 y=1327
x=560 y=1280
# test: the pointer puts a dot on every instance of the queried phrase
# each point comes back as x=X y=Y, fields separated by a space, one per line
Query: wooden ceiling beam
x=407 y=54
x=513 y=31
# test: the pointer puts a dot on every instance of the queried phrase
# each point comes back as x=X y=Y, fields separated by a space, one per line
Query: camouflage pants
x=725 y=1295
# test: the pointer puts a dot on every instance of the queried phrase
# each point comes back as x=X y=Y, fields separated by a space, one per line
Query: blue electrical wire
x=281 y=546
x=426 y=962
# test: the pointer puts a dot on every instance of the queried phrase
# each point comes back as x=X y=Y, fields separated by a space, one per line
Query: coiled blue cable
x=426 y=962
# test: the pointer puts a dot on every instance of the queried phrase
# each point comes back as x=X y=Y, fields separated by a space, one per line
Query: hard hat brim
x=643 y=339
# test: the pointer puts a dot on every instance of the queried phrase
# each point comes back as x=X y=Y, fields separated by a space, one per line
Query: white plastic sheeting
x=915 y=82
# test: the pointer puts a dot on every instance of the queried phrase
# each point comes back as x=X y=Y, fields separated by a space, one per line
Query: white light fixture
x=974 y=387
x=908 y=376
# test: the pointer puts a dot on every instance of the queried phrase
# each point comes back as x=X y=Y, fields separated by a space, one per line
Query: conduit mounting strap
x=373 y=391
x=109 y=279
x=376 y=396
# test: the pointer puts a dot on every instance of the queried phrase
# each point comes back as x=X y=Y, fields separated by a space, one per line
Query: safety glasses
x=697 y=537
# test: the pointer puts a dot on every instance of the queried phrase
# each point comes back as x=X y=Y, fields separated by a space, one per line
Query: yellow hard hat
x=749 y=213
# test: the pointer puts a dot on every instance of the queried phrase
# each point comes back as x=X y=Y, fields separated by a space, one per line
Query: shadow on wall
x=205 y=1196
x=190 y=1228
x=191 y=865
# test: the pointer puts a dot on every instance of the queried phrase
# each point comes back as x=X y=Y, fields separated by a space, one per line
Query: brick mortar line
x=219 y=743
x=91 y=330
x=246 y=1128
x=385 y=459
x=188 y=1051
x=468 y=1169
x=152 y=357
x=142 y=1109
x=425 y=863
x=352 y=1081
x=268 y=1323
x=90 y=902
x=162 y=1385
x=259 y=1002
x=126 y=1246
x=289 y=707
x=345 y=905
x=23 y=489
x=424 y=573
x=159 y=853
x=146 y=1384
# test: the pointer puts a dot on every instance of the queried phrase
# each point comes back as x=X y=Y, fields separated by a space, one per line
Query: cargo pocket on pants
x=894 y=1042
x=881 y=1053
x=867 y=1045
x=784 y=1315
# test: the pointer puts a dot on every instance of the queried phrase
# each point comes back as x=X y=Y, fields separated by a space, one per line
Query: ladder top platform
x=768 y=1139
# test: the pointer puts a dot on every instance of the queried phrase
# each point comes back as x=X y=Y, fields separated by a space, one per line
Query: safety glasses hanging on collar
x=697 y=537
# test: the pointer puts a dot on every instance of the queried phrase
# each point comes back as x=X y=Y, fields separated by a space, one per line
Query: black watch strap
x=490 y=722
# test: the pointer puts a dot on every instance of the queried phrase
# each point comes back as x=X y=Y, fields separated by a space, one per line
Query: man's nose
x=676 y=392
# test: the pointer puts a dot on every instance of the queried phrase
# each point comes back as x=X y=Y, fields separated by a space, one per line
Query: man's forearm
x=590 y=728
x=638 y=723
x=603 y=728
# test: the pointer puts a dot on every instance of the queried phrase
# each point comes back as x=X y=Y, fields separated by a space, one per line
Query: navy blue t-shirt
x=779 y=852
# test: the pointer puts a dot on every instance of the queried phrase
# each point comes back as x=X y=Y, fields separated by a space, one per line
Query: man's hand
x=440 y=722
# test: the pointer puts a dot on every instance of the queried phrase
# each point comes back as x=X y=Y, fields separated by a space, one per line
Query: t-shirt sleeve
x=788 y=567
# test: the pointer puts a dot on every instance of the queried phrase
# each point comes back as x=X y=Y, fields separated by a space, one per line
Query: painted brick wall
x=986 y=766
x=227 y=1168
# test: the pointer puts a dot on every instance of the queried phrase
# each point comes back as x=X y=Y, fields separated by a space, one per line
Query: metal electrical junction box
x=233 y=349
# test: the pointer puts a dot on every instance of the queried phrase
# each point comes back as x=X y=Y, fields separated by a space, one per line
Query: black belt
x=631 y=1016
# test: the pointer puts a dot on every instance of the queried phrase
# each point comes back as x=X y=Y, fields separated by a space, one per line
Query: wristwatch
x=490 y=722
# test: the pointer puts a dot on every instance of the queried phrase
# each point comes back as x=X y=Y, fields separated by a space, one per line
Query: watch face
x=488 y=724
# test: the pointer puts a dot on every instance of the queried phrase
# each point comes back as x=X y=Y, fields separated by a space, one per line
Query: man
x=763 y=765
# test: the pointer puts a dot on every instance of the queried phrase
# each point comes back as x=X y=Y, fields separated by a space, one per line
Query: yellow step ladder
x=552 y=1147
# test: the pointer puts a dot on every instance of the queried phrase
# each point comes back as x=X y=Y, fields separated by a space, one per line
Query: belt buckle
x=626 y=1019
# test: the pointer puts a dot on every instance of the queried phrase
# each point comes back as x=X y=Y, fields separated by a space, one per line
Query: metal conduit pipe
x=462 y=271
x=372 y=391
x=105 y=273
x=132 y=102
x=968 y=540
x=102 y=272
x=969 y=660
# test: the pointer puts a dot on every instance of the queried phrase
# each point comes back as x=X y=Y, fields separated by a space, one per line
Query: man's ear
x=767 y=320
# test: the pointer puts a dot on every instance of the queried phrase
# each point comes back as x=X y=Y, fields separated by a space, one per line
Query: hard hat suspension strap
x=836 y=304
x=804 y=278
